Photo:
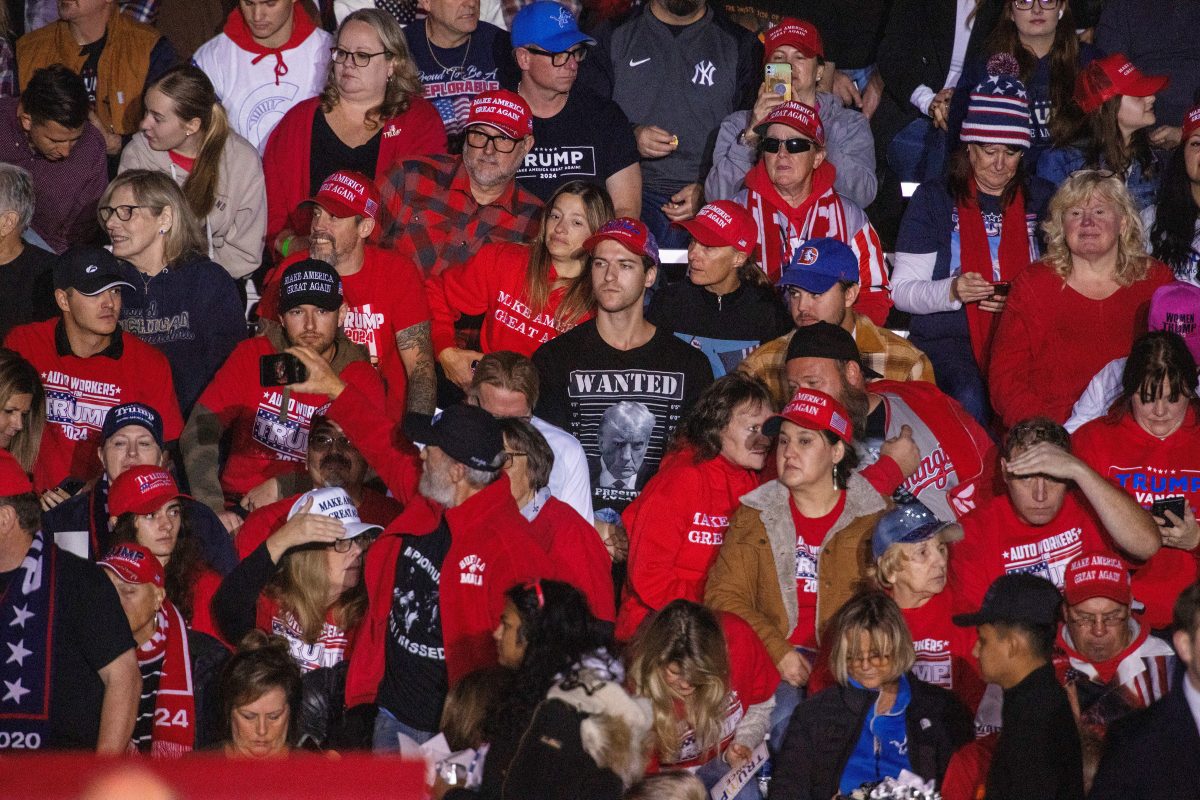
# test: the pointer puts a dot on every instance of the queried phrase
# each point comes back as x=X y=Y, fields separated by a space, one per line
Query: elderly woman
x=261 y=693
x=965 y=236
x=849 y=145
x=677 y=523
x=807 y=528
x=878 y=720
x=1077 y=309
x=1173 y=224
x=1150 y=446
x=370 y=116
x=1118 y=101
x=182 y=302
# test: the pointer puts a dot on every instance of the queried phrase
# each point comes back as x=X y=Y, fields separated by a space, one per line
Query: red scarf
x=821 y=214
x=174 y=732
x=976 y=256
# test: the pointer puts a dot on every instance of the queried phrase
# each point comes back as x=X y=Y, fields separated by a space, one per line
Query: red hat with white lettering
x=798 y=33
x=143 y=489
x=346 y=193
x=799 y=117
x=503 y=110
x=1191 y=123
x=723 y=223
x=133 y=563
x=1105 y=78
x=1097 y=575
x=816 y=411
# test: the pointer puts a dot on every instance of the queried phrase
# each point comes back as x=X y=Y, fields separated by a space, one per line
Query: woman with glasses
x=964 y=237
x=186 y=135
x=370 y=116
x=182 y=302
x=878 y=720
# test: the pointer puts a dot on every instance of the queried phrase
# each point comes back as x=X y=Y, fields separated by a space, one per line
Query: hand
x=230 y=520
x=794 y=668
x=939 y=109
x=846 y=90
x=971 y=287
x=112 y=140
x=872 y=95
x=1046 y=459
x=737 y=755
x=615 y=539
x=264 y=494
x=457 y=364
x=654 y=142
x=1185 y=533
x=766 y=102
x=685 y=203
x=52 y=497
x=994 y=304
x=1166 y=137
x=439 y=788
x=304 y=528
x=321 y=377
x=298 y=243
x=903 y=450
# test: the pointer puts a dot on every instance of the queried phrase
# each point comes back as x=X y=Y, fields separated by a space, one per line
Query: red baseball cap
x=723 y=223
x=346 y=193
x=13 y=480
x=628 y=232
x=1097 y=575
x=1191 y=123
x=503 y=110
x=798 y=33
x=816 y=411
x=133 y=563
x=797 y=116
x=1113 y=75
x=143 y=490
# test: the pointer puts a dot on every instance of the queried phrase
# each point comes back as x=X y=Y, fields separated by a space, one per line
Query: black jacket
x=1152 y=753
x=208 y=660
x=824 y=730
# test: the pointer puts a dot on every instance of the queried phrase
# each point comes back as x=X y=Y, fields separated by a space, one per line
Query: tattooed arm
x=416 y=351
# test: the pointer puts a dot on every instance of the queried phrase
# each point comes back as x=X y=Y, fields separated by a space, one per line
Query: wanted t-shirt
x=622 y=405
x=414 y=681
x=589 y=140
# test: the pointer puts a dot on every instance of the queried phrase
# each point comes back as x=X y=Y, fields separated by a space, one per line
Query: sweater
x=676 y=528
x=257 y=85
x=287 y=156
x=1040 y=362
x=754 y=575
x=575 y=550
x=235 y=227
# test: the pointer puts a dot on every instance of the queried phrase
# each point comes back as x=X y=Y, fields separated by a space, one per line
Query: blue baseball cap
x=132 y=414
x=906 y=524
x=818 y=264
x=549 y=26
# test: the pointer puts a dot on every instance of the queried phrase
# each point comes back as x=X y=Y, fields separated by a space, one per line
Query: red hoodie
x=236 y=30
x=577 y=553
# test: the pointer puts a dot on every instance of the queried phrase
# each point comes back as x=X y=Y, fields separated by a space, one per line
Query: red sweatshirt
x=80 y=391
x=676 y=527
x=1149 y=468
x=944 y=649
x=578 y=555
x=1051 y=340
x=286 y=160
x=492 y=283
x=375 y=509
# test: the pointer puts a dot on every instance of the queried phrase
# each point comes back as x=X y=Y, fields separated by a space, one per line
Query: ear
x=523 y=58
x=1183 y=646
x=192 y=126
x=651 y=275
x=838 y=451
x=852 y=295
x=60 y=299
x=166 y=220
x=8 y=223
x=24 y=118
x=527 y=146
x=365 y=228
x=819 y=157
x=160 y=594
x=423 y=5
x=854 y=374
x=739 y=259
x=342 y=311
x=112 y=523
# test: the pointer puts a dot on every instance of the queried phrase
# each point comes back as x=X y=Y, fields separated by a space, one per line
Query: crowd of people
x=607 y=400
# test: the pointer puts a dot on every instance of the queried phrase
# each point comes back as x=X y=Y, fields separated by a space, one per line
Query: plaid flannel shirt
x=142 y=10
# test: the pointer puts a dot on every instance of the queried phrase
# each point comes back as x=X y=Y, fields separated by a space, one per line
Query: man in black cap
x=88 y=366
x=1038 y=755
x=270 y=421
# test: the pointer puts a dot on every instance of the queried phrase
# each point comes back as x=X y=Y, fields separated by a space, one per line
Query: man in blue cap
x=820 y=285
x=578 y=135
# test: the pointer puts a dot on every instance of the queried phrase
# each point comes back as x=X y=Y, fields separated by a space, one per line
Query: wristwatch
x=747 y=138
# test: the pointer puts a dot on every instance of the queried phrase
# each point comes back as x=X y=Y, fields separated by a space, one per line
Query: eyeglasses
x=874 y=659
x=124 y=213
x=323 y=441
x=359 y=59
x=1025 y=5
x=769 y=144
x=363 y=540
x=1109 y=620
x=479 y=140
x=560 y=59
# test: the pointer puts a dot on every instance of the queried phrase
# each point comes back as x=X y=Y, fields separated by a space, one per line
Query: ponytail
x=194 y=97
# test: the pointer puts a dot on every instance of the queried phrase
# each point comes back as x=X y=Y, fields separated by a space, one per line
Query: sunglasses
x=769 y=144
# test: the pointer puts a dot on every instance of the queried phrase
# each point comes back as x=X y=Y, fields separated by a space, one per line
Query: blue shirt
x=882 y=748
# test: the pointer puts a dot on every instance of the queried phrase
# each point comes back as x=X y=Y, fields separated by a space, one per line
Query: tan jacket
x=755 y=574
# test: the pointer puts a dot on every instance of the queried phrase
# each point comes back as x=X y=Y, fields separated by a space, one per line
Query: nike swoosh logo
x=633 y=63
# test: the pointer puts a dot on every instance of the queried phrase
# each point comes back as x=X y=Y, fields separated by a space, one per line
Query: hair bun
x=1004 y=64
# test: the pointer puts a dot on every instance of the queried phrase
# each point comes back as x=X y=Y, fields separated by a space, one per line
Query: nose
x=1039 y=489
x=260 y=726
x=164 y=522
x=18 y=422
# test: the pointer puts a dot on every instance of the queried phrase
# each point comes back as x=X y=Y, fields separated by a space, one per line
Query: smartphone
x=779 y=79
x=281 y=369
x=1173 y=504
x=1001 y=289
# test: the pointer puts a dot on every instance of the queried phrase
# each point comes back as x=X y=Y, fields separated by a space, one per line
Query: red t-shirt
x=270 y=436
x=944 y=649
x=384 y=297
x=810 y=535
x=80 y=391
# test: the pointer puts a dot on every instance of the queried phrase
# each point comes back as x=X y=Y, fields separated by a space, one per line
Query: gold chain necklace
x=466 y=53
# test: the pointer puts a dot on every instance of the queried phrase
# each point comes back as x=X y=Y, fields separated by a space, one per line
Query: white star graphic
x=21 y=614
x=18 y=653
x=15 y=691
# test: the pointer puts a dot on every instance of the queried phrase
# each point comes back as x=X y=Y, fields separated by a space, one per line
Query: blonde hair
x=675 y=785
x=403 y=83
x=880 y=618
x=18 y=376
x=1132 y=261
x=688 y=635
x=301 y=586
x=155 y=190
x=892 y=563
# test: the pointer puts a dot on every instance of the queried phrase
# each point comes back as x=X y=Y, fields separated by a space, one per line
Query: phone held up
x=281 y=369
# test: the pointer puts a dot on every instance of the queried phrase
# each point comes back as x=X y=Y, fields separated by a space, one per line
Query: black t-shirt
x=414 y=682
x=91 y=63
x=330 y=154
x=27 y=286
x=622 y=405
x=90 y=631
x=590 y=140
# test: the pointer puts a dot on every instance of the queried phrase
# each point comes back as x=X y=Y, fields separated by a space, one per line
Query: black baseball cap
x=310 y=282
x=468 y=434
x=826 y=340
x=88 y=270
x=1018 y=597
x=132 y=414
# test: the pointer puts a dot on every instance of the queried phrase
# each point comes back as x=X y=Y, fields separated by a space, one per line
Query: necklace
x=451 y=70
